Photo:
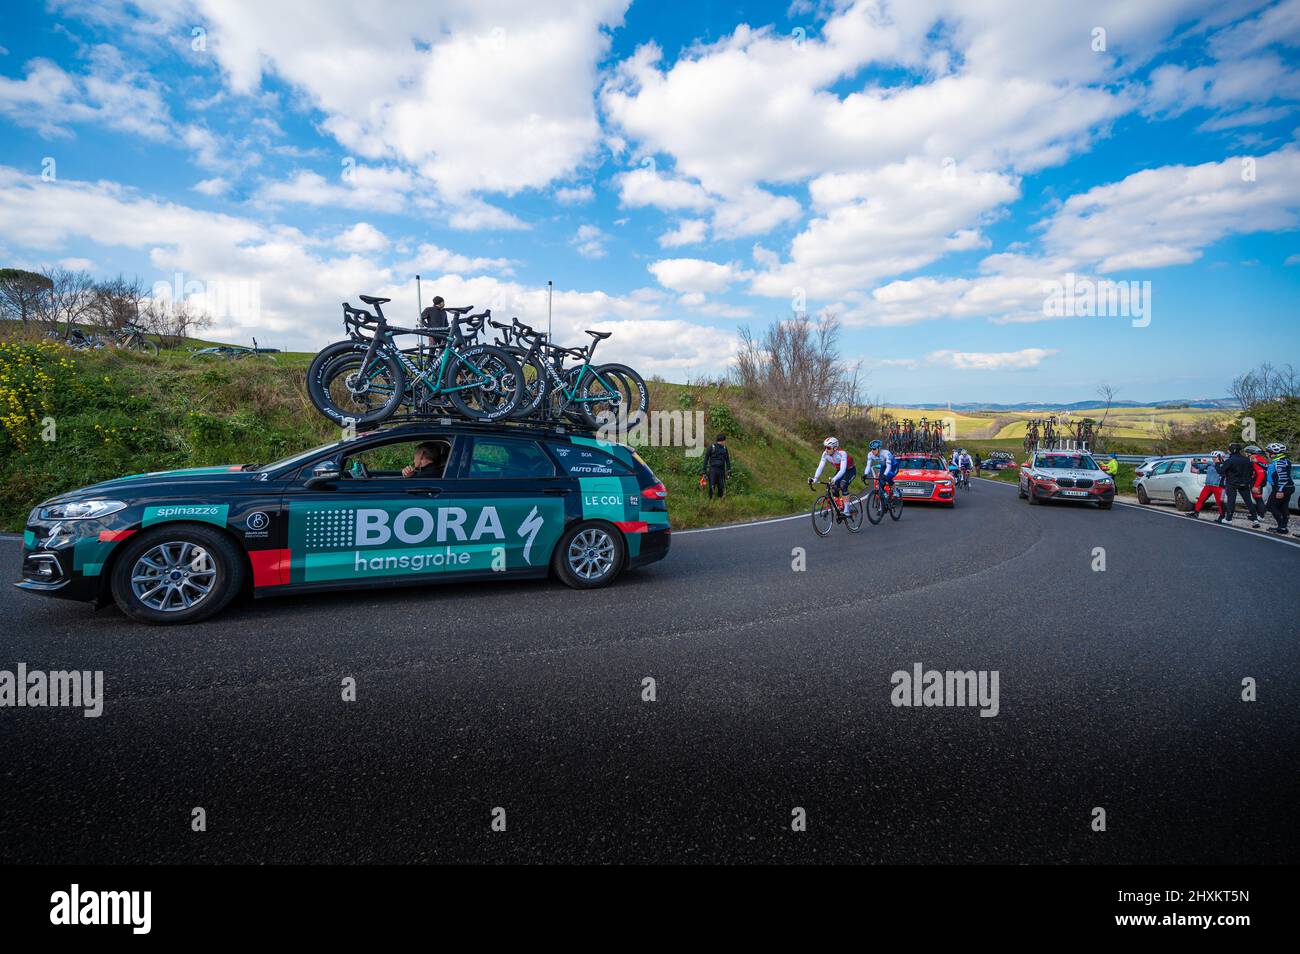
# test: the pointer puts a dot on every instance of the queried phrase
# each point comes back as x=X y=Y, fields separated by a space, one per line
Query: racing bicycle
x=878 y=502
x=132 y=338
x=589 y=394
x=832 y=508
x=366 y=379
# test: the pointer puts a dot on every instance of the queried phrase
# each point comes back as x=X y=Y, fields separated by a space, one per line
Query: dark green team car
x=412 y=504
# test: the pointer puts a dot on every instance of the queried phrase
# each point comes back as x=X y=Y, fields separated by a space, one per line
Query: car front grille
x=924 y=487
x=1083 y=482
x=1065 y=482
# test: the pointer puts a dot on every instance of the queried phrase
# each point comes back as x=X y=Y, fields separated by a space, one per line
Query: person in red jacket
x=1260 y=463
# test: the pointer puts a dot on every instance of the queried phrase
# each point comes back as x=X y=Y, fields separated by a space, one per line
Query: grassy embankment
x=115 y=413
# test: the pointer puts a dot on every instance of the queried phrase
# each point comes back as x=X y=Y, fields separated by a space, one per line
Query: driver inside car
x=429 y=461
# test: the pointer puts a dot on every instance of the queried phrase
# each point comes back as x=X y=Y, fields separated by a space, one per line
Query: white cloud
x=434 y=260
x=694 y=274
x=589 y=241
x=687 y=232
x=1168 y=215
x=875 y=224
x=991 y=360
x=362 y=237
x=649 y=187
x=577 y=195
x=109 y=93
x=439 y=87
x=213 y=187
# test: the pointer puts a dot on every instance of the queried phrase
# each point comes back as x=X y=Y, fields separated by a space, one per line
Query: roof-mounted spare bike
x=368 y=378
x=592 y=395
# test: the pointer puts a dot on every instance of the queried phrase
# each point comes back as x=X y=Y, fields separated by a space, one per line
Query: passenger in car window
x=429 y=460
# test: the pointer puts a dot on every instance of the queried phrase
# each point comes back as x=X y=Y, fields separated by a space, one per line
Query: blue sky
x=925 y=171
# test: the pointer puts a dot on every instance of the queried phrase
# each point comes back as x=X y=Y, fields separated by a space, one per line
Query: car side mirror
x=324 y=473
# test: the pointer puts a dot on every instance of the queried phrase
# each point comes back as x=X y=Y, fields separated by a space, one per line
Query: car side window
x=1160 y=469
x=424 y=458
x=1177 y=466
x=508 y=457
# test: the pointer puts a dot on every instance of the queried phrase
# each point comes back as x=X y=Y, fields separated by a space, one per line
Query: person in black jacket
x=1238 y=477
x=717 y=466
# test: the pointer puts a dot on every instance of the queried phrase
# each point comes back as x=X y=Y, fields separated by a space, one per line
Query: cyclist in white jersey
x=841 y=460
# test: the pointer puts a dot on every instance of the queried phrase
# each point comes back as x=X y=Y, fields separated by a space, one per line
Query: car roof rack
x=558 y=428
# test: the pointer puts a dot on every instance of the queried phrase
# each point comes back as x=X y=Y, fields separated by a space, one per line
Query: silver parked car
x=1177 y=480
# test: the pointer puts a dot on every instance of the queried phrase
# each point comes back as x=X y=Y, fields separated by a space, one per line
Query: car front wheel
x=589 y=555
x=179 y=574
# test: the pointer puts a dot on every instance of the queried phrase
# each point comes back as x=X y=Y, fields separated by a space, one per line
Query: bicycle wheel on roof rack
x=347 y=389
x=484 y=383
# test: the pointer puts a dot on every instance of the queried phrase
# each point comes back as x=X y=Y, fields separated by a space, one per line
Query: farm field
x=1126 y=422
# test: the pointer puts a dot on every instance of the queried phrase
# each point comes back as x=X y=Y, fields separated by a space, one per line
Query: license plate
x=1075 y=493
x=913 y=492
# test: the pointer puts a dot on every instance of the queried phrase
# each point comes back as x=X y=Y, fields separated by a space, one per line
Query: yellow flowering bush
x=30 y=376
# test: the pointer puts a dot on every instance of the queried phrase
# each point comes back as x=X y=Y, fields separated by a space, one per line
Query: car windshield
x=1067 y=462
x=295 y=459
x=920 y=463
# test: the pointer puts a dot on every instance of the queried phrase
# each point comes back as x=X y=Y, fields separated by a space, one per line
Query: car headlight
x=81 y=510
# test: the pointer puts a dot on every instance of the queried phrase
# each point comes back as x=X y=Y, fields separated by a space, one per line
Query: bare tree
x=118 y=302
x=71 y=297
x=173 y=321
x=1264 y=383
x=797 y=367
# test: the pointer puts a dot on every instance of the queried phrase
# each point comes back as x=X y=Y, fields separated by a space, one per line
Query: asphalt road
x=1118 y=689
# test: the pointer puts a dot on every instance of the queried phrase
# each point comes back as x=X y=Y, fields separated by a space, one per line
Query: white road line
x=741 y=526
x=1257 y=534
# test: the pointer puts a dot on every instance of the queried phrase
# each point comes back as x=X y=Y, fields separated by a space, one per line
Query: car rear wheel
x=179 y=574
x=589 y=555
x=1142 y=495
x=1180 y=500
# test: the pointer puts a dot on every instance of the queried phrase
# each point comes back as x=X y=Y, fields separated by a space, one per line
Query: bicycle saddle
x=372 y=300
x=461 y=310
x=600 y=335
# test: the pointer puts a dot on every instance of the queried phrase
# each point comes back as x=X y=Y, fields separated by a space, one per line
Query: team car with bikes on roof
x=488 y=465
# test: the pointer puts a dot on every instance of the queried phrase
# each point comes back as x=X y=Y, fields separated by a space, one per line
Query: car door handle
x=425 y=491
x=558 y=493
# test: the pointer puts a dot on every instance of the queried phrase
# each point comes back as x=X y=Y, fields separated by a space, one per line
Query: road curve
x=1119 y=689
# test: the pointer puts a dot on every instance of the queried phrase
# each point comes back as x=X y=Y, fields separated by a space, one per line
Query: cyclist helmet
x=876 y=445
x=1276 y=448
x=831 y=443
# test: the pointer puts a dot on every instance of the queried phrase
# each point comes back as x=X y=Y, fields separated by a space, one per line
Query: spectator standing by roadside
x=717 y=466
x=1281 y=480
x=1213 y=487
x=1238 y=475
x=978 y=463
x=1111 y=466
x=1260 y=463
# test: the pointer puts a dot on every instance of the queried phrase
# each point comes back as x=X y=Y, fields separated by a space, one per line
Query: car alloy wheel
x=173 y=576
x=591 y=554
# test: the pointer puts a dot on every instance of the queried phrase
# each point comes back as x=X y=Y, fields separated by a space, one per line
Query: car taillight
x=657 y=492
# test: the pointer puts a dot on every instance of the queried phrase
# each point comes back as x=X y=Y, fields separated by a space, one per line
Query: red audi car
x=924 y=478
